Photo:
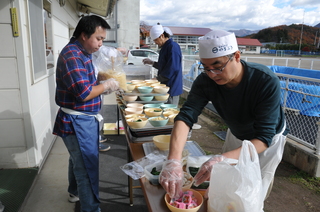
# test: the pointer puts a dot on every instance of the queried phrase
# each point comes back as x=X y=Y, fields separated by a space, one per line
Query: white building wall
x=28 y=109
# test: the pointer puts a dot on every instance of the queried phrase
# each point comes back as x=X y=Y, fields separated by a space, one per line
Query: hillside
x=287 y=34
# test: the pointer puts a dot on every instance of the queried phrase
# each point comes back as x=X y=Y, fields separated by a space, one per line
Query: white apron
x=269 y=159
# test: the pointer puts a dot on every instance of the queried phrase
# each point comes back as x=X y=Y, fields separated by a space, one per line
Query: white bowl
x=136 y=105
x=162 y=97
x=161 y=89
x=130 y=98
x=133 y=111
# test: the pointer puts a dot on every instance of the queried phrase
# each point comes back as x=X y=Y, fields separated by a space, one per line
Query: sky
x=230 y=14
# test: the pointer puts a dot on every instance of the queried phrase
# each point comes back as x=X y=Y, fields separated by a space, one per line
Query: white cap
x=157 y=30
x=217 y=43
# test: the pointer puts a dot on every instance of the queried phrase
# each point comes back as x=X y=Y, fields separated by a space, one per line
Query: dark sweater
x=251 y=110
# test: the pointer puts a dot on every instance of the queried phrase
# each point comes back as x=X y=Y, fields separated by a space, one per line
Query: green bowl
x=151 y=105
x=165 y=106
x=146 y=98
x=158 y=123
x=145 y=89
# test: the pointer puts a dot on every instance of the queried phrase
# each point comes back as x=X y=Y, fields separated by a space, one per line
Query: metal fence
x=300 y=96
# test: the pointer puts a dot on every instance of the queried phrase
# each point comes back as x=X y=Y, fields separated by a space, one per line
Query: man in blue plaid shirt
x=77 y=122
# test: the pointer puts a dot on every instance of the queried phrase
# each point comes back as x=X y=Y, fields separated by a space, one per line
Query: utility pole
x=301 y=34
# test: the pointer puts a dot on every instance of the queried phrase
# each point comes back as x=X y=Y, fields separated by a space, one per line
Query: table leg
x=130 y=182
x=118 y=119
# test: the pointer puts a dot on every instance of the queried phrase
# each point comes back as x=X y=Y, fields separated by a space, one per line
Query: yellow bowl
x=151 y=112
x=131 y=87
x=137 y=122
x=162 y=141
x=137 y=81
x=158 y=84
x=133 y=111
x=162 y=97
x=131 y=116
x=169 y=113
x=196 y=194
x=171 y=117
x=130 y=98
x=161 y=89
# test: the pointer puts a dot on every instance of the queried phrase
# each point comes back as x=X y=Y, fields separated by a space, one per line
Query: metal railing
x=300 y=96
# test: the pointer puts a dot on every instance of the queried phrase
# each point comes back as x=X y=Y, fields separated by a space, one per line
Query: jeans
x=79 y=182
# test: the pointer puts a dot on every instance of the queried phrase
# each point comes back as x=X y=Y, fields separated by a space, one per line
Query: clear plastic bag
x=237 y=187
x=135 y=169
x=108 y=61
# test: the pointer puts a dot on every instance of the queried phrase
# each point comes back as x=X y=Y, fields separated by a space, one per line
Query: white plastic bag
x=237 y=187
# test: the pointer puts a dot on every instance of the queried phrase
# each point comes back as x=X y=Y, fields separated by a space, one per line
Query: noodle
x=119 y=76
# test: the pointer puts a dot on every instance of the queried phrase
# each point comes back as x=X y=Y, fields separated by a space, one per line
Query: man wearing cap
x=246 y=96
x=169 y=64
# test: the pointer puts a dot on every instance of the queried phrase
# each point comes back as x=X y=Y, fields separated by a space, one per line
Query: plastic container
x=153 y=179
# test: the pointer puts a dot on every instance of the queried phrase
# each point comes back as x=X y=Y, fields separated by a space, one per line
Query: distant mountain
x=243 y=32
x=318 y=25
x=286 y=34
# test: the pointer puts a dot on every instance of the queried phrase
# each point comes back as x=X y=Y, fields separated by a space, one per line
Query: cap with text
x=217 y=43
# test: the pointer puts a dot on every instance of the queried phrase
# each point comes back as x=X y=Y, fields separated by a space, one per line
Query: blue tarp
x=301 y=95
x=296 y=71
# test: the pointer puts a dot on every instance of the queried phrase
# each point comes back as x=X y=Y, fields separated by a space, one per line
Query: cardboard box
x=111 y=129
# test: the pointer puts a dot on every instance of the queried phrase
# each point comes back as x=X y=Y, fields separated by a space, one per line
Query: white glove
x=205 y=170
x=171 y=177
x=147 y=61
x=110 y=85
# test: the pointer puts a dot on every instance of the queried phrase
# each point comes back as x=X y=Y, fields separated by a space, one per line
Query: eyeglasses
x=216 y=70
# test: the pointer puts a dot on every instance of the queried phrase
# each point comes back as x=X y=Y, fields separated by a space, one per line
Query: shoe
x=103 y=148
x=196 y=126
x=72 y=198
x=104 y=140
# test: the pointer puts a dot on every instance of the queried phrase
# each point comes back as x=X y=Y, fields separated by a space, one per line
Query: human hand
x=205 y=170
x=171 y=177
x=110 y=85
x=147 y=61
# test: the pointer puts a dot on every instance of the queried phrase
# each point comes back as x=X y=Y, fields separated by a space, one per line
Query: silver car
x=135 y=56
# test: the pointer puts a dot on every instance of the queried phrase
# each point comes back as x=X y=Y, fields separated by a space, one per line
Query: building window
x=251 y=48
x=39 y=38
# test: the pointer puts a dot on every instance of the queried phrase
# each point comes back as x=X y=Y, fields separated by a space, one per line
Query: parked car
x=135 y=56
